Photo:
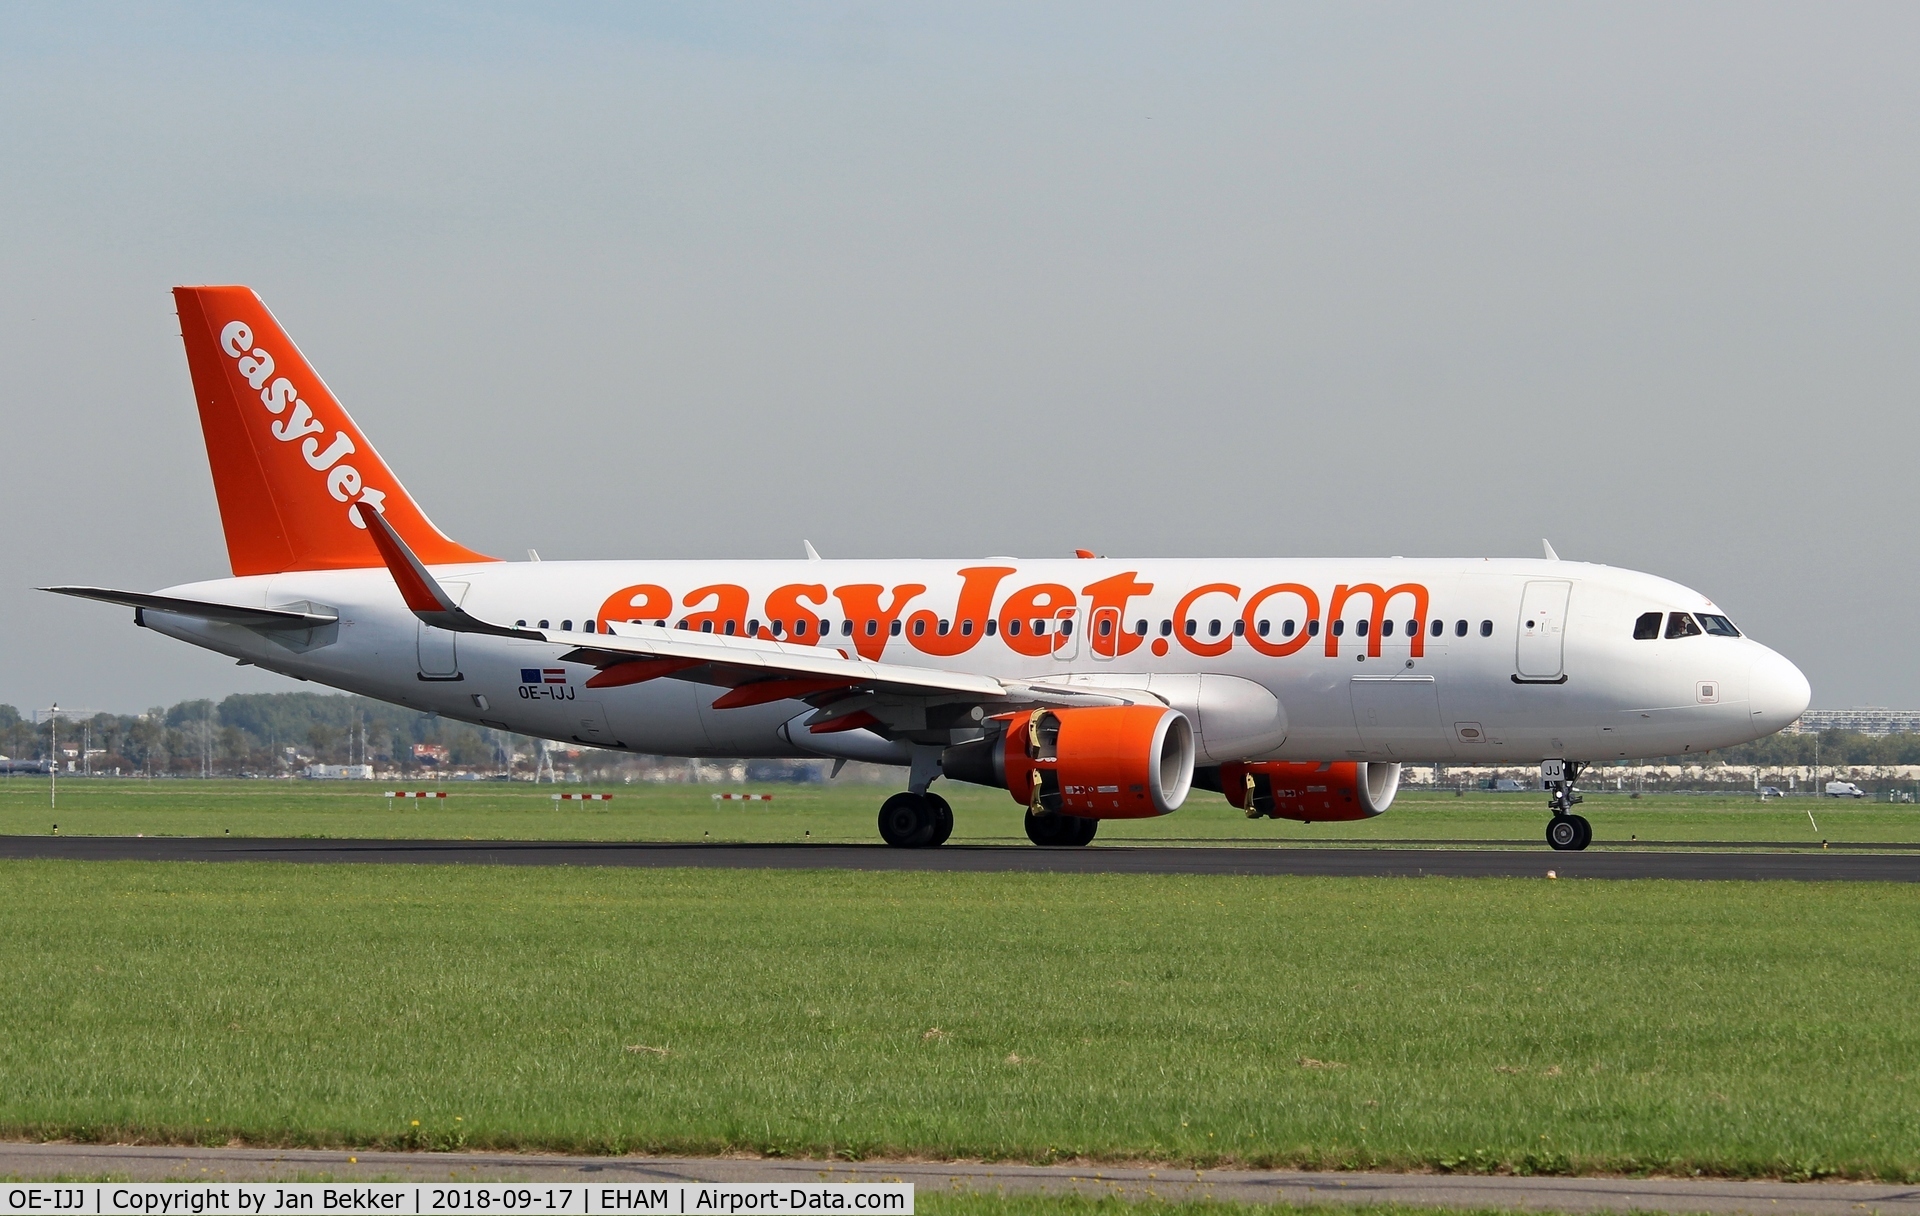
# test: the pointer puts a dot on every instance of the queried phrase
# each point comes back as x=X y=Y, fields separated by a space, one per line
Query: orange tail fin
x=288 y=463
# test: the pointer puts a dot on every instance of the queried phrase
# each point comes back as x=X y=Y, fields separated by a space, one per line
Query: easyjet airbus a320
x=1087 y=688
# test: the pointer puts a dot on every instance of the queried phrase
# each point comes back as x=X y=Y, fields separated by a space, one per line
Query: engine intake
x=1105 y=762
x=1311 y=793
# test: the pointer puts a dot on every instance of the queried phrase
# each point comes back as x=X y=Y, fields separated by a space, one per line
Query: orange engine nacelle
x=1102 y=762
x=1311 y=793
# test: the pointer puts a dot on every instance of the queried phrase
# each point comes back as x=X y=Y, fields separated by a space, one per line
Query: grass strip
x=846 y=813
x=1745 y=1030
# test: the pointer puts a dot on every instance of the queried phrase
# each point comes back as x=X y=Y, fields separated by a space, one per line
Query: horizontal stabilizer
x=232 y=614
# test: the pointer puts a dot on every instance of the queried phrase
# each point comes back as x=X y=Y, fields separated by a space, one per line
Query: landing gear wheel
x=1059 y=830
x=907 y=821
x=942 y=821
x=1569 y=833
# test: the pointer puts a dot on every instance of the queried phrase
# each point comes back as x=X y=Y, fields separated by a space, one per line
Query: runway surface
x=144 y=1163
x=1117 y=859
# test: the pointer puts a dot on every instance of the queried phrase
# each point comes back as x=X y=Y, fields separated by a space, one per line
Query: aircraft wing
x=754 y=670
x=253 y=618
x=738 y=661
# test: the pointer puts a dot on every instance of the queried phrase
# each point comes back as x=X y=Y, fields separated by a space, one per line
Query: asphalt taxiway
x=1539 y=862
x=144 y=1163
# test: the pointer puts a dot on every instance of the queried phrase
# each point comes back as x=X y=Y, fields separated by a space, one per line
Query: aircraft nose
x=1777 y=691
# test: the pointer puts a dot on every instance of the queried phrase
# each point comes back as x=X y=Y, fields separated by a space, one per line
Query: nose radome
x=1777 y=691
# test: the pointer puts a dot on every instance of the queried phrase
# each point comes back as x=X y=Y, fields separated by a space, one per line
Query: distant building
x=1862 y=720
x=338 y=772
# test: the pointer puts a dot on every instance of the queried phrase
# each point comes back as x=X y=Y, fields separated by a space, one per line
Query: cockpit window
x=1718 y=626
x=1680 y=625
x=1646 y=627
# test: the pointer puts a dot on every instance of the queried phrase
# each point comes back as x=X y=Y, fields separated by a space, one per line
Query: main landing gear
x=1057 y=829
x=916 y=821
x=1567 y=832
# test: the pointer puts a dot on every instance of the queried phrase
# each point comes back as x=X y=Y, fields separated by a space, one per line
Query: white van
x=1844 y=789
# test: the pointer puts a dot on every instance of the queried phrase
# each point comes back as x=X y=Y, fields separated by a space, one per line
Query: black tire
x=906 y=821
x=942 y=821
x=1563 y=833
x=1586 y=831
x=1046 y=830
x=1061 y=831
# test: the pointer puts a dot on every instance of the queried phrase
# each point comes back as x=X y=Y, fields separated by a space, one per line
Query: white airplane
x=1088 y=688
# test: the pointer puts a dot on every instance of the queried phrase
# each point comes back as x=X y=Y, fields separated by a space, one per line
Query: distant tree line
x=262 y=734
x=275 y=732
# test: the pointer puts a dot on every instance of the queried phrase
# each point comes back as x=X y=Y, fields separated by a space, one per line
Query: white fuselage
x=1545 y=665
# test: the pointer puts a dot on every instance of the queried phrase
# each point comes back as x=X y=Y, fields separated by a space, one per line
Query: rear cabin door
x=1540 y=652
x=437 y=649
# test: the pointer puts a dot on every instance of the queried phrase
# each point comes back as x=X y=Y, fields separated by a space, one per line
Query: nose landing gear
x=1566 y=832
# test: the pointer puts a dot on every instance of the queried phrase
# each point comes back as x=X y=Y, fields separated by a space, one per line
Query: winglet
x=424 y=595
x=813 y=555
x=1547 y=545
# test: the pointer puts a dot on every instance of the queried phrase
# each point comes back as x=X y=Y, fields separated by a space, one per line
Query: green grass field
x=1734 y=1028
x=847 y=812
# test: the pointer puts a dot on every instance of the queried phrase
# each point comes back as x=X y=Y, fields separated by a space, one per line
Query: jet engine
x=1098 y=762
x=1311 y=793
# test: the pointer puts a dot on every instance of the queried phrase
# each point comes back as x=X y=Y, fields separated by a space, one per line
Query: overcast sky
x=699 y=280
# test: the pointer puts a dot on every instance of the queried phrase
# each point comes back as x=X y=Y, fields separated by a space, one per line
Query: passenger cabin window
x=920 y=627
x=1263 y=628
x=1192 y=627
x=519 y=624
x=543 y=624
x=1486 y=629
x=1646 y=627
x=1717 y=626
x=1066 y=626
x=1286 y=628
x=1106 y=627
x=1439 y=627
x=1166 y=628
x=1680 y=625
x=1140 y=627
x=1413 y=628
x=846 y=628
x=1240 y=629
x=993 y=626
x=730 y=625
x=942 y=628
x=1013 y=628
x=1313 y=629
x=1339 y=628
x=566 y=626
x=1386 y=628
x=588 y=626
x=894 y=629
x=1459 y=629
x=753 y=628
x=706 y=626
x=966 y=629
x=1360 y=627
x=1213 y=629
